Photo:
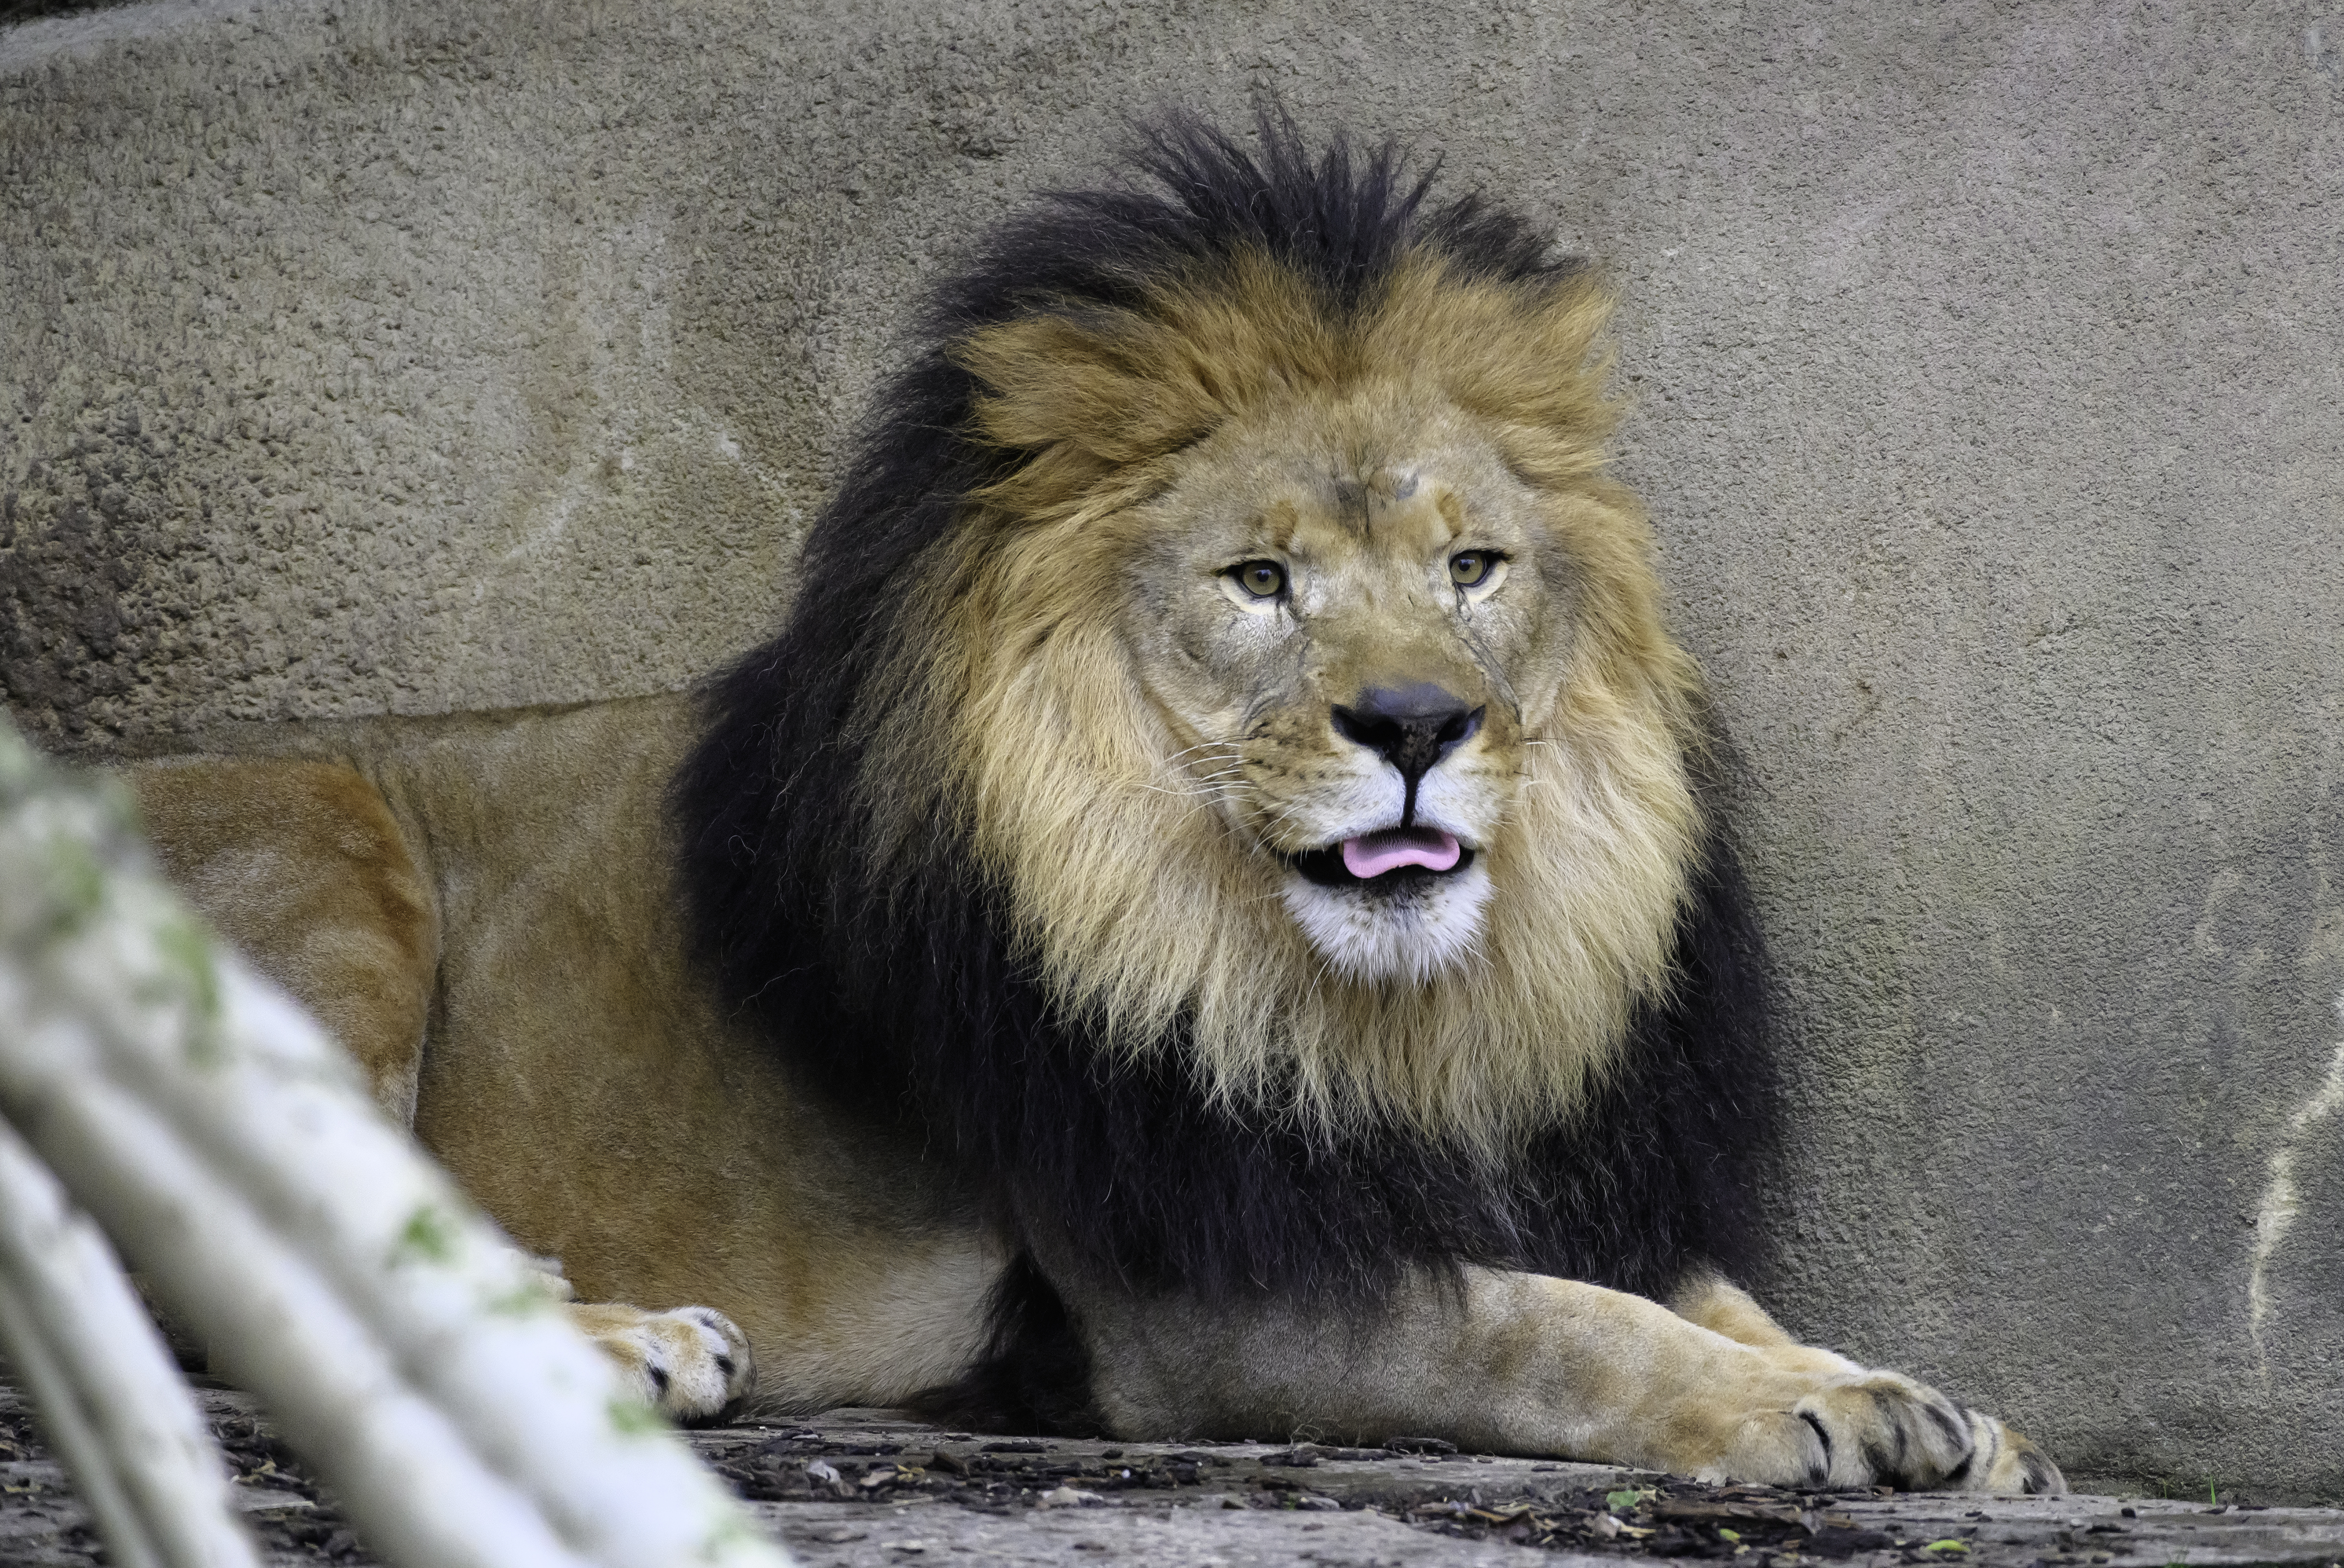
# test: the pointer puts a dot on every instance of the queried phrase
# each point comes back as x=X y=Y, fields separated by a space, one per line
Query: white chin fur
x=1409 y=936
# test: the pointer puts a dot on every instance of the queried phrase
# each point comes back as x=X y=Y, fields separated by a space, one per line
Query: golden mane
x=1138 y=909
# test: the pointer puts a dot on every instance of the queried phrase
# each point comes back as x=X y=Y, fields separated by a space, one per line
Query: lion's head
x=1272 y=645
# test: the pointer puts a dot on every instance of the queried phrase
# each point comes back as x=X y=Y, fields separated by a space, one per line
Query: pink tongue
x=1371 y=854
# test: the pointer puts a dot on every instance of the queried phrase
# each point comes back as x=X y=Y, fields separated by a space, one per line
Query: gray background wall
x=363 y=359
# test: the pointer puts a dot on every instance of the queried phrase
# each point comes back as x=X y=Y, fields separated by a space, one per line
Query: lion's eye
x=1471 y=568
x=1261 y=578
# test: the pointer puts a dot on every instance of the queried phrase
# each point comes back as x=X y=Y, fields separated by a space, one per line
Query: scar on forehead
x=1384 y=485
x=1362 y=503
x=1354 y=500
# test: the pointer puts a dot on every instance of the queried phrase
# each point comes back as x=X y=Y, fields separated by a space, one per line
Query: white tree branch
x=408 y=1350
x=108 y=1394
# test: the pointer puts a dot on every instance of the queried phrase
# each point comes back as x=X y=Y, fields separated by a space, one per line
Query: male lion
x=1210 y=918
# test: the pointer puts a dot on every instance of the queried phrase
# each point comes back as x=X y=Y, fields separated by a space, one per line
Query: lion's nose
x=1410 y=727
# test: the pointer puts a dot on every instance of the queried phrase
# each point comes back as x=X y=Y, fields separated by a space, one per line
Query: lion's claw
x=2002 y=1460
x=1881 y=1428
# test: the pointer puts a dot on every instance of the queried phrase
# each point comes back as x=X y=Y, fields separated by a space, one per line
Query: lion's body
x=1212 y=915
x=576 y=1078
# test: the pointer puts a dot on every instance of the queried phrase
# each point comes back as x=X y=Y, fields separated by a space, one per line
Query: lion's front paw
x=1881 y=1428
x=690 y=1364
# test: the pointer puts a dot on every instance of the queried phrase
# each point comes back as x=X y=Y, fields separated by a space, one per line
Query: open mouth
x=1396 y=857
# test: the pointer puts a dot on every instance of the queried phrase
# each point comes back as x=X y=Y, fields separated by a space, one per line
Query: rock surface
x=854 y=1488
x=450 y=354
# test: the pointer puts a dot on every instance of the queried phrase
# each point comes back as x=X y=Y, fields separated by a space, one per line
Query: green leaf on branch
x=429 y=1238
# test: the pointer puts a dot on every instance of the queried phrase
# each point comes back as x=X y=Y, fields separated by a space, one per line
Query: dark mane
x=892 y=989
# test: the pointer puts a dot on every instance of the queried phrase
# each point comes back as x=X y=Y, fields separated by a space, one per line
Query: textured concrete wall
x=450 y=356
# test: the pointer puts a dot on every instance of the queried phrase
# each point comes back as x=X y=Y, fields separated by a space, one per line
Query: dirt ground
x=867 y=1488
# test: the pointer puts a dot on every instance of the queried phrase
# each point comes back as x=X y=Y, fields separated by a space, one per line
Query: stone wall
x=438 y=356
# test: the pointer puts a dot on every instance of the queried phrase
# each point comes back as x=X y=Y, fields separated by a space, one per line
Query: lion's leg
x=1526 y=1363
x=301 y=866
x=2001 y=1460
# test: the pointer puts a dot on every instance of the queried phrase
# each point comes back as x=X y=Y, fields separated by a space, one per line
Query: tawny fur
x=507 y=874
x=327 y=900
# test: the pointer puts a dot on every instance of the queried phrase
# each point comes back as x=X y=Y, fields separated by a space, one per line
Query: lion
x=1214 y=915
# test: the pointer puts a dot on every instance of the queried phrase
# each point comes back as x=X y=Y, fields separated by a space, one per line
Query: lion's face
x=1354 y=622
x=1303 y=687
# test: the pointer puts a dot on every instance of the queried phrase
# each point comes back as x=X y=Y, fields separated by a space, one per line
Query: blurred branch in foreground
x=225 y=1143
